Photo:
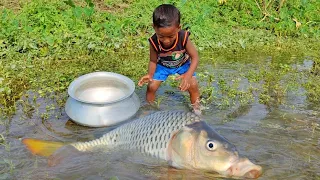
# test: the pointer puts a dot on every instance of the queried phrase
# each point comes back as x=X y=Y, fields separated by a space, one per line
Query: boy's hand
x=185 y=82
x=145 y=79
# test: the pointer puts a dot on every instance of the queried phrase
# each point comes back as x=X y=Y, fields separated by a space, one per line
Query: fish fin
x=42 y=147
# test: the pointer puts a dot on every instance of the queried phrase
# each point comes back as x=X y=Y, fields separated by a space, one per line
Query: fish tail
x=42 y=147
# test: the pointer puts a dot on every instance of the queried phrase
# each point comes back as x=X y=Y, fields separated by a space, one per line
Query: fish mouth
x=245 y=168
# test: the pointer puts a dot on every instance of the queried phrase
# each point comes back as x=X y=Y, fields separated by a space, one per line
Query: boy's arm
x=193 y=53
x=186 y=77
x=151 y=68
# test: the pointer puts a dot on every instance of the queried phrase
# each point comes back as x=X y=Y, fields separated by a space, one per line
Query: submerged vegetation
x=44 y=45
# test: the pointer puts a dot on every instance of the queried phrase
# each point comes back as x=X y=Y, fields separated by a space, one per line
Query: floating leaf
x=113 y=178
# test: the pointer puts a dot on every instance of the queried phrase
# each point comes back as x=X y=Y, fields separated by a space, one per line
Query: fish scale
x=150 y=134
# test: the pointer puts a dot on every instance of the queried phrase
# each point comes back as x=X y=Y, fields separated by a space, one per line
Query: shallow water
x=284 y=139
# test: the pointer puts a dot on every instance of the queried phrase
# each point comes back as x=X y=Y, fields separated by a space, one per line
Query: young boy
x=171 y=52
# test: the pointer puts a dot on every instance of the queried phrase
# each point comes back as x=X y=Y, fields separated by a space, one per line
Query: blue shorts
x=163 y=72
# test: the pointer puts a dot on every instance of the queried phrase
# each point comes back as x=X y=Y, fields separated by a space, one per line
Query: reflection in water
x=284 y=141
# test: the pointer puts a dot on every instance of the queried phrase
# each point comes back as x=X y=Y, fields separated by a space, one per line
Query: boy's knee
x=193 y=88
x=194 y=85
x=152 y=87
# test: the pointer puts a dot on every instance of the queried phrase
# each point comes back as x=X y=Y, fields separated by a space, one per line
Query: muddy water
x=284 y=140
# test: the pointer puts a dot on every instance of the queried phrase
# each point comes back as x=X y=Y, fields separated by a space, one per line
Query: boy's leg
x=160 y=75
x=151 y=90
x=194 y=95
x=194 y=91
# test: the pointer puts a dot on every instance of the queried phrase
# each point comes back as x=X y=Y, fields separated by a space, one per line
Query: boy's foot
x=149 y=106
x=197 y=111
x=196 y=108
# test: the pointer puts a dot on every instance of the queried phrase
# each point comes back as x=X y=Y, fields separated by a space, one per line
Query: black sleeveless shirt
x=175 y=56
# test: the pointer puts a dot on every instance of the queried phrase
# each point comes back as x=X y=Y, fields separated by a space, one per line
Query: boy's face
x=167 y=35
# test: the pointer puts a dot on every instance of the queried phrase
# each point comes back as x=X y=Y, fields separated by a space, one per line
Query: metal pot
x=101 y=99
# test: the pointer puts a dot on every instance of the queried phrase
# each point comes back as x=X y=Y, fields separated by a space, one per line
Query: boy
x=171 y=52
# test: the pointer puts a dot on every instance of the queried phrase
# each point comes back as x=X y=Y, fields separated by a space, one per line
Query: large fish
x=180 y=138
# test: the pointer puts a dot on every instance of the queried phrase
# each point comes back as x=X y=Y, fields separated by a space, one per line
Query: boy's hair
x=166 y=15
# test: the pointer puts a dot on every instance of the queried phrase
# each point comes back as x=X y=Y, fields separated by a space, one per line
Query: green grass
x=44 y=45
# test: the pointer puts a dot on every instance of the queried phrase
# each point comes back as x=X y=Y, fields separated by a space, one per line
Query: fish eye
x=211 y=145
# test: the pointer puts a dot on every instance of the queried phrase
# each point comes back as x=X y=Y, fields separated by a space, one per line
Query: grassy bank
x=58 y=28
x=44 y=45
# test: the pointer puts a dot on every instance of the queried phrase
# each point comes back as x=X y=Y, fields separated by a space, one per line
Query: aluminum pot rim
x=77 y=82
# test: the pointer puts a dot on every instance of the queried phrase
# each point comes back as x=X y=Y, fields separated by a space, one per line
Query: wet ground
x=284 y=139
